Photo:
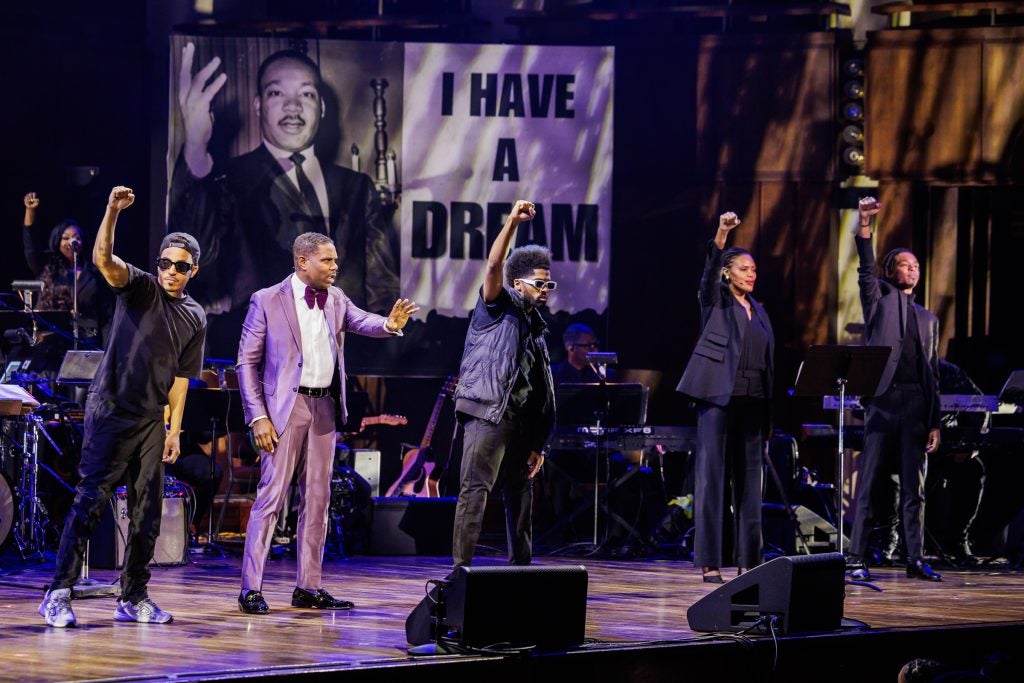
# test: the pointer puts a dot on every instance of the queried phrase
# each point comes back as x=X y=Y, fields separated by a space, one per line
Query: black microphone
x=75 y=244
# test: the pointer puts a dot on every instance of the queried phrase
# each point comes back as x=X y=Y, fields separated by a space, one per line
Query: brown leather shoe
x=319 y=600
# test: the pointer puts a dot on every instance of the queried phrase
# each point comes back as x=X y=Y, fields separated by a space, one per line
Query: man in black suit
x=250 y=209
x=901 y=420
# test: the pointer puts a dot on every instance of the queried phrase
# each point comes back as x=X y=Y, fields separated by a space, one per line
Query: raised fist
x=728 y=221
x=121 y=197
x=523 y=211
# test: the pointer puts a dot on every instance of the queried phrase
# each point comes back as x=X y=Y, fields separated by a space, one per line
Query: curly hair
x=58 y=273
x=524 y=260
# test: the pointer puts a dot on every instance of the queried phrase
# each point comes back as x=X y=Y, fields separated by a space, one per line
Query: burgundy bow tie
x=317 y=296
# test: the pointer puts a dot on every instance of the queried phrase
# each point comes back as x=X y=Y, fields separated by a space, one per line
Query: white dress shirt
x=319 y=348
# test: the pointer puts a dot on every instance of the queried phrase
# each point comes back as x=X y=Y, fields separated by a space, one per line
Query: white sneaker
x=56 y=608
x=144 y=611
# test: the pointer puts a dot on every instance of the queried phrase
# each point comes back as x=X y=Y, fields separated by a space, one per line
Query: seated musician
x=956 y=479
x=570 y=465
x=193 y=468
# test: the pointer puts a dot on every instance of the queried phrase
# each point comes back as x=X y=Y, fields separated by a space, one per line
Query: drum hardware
x=31 y=519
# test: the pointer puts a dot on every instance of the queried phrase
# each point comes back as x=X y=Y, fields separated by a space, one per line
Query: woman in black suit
x=729 y=376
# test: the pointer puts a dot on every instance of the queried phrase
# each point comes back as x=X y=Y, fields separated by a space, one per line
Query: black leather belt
x=315 y=392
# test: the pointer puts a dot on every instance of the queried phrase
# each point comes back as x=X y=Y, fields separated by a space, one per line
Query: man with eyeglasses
x=505 y=400
x=579 y=340
x=571 y=465
x=155 y=346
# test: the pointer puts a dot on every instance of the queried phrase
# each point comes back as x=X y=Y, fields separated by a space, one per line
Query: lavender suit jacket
x=270 y=350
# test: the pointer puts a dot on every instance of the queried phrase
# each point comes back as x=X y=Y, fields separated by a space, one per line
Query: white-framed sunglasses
x=541 y=284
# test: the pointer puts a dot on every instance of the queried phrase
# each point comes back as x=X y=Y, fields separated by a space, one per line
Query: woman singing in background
x=55 y=267
x=729 y=376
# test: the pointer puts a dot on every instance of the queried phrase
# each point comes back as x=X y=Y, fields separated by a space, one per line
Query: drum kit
x=37 y=449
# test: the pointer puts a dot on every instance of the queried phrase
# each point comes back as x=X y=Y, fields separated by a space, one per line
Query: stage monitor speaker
x=107 y=545
x=366 y=463
x=79 y=367
x=805 y=593
x=483 y=607
x=412 y=526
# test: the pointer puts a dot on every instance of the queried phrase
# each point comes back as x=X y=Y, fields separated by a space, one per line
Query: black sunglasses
x=540 y=284
x=592 y=346
x=180 y=266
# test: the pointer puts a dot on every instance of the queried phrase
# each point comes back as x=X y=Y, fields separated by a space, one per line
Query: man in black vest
x=902 y=419
x=505 y=399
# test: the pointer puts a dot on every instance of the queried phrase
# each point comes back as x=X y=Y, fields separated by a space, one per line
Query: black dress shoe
x=252 y=602
x=319 y=600
x=919 y=569
x=860 y=574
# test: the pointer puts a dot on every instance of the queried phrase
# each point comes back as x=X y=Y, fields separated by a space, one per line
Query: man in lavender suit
x=289 y=356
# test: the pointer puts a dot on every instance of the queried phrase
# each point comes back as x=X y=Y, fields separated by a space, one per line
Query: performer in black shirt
x=156 y=344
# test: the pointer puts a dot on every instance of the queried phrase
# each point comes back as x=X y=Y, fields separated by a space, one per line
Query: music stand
x=830 y=368
x=212 y=409
x=1013 y=390
x=600 y=406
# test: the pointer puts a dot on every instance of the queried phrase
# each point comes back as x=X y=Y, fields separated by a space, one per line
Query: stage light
x=854 y=90
x=853 y=135
x=853 y=111
x=853 y=68
x=853 y=156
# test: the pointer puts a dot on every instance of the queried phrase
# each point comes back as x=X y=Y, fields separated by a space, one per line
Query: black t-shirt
x=153 y=339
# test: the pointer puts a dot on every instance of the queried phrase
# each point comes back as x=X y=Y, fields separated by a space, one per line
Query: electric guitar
x=417 y=478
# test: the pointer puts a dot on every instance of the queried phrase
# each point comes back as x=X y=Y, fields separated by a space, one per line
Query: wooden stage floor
x=631 y=603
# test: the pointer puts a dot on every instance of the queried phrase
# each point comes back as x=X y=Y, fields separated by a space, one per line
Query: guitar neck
x=428 y=433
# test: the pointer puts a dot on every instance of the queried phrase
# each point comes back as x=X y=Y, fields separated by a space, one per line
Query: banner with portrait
x=409 y=156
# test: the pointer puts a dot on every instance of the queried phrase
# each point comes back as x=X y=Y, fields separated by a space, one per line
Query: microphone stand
x=74 y=294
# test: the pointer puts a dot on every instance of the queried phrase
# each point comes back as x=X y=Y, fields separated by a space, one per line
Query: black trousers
x=117 y=446
x=728 y=460
x=494 y=454
x=895 y=436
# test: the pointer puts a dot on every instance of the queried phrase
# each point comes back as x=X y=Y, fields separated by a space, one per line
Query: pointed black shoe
x=252 y=602
x=319 y=600
x=919 y=569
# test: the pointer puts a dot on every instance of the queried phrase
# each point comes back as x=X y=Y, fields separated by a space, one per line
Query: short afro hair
x=288 y=55
x=308 y=243
x=524 y=260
